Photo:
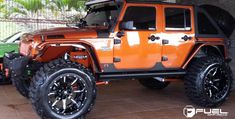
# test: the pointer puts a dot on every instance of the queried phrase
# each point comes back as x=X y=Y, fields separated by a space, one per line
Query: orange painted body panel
x=177 y=50
x=148 y=54
x=136 y=51
x=84 y=62
x=139 y=55
x=103 y=48
x=69 y=33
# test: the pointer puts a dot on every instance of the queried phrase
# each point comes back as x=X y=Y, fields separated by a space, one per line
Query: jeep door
x=178 y=37
x=140 y=47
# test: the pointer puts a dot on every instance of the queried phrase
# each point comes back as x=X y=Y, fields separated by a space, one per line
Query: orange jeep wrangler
x=153 y=42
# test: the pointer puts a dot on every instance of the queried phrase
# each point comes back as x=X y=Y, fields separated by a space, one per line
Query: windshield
x=102 y=15
x=6 y=39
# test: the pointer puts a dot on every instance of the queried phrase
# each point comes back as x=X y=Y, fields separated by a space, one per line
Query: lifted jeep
x=151 y=41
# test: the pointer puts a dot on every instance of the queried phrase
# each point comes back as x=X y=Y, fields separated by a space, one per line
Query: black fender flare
x=220 y=48
x=91 y=51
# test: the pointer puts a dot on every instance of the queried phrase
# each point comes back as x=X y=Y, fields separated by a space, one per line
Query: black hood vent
x=55 y=37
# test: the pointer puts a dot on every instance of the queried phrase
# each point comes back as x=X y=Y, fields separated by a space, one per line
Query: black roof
x=154 y=2
x=145 y=1
x=91 y=2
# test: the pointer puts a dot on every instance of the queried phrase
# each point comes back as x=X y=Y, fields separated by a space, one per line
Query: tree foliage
x=29 y=5
x=2 y=6
x=69 y=4
x=31 y=8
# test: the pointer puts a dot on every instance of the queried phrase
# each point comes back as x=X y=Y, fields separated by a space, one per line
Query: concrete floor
x=120 y=100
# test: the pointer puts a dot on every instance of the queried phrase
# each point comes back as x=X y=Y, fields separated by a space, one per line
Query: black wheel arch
x=93 y=56
x=203 y=50
x=90 y=49
x=210 y=49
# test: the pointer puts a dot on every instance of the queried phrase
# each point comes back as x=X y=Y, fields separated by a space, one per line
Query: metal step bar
x=170 y=74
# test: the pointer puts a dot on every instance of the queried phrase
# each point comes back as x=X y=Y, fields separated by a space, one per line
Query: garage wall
x=228 y=5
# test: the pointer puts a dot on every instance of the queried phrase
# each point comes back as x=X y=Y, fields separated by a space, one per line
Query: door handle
x=153 y=38
x=185 y=38
x=120 y=34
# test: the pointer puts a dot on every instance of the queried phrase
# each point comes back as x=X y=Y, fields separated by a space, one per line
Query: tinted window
x=144 y=18
x=177 y=19
x=101 y=16
x=204 y=25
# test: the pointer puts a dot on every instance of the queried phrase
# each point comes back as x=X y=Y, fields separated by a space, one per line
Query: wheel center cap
x=65 y=92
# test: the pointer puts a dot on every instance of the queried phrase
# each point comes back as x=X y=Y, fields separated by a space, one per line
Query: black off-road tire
x=154 y=84
x=205 y=79
x=47 y=76
x=22 y=84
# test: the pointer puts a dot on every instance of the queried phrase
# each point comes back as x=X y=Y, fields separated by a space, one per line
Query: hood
x=72 y=33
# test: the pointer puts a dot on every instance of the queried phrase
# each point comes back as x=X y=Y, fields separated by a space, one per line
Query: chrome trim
x=42 y=38
x=74 y=45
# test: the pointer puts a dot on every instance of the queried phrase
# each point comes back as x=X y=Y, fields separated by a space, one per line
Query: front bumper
x=15 y=63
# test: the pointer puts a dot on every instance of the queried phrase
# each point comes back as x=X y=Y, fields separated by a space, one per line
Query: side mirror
x=128 y=25
x=81 y=23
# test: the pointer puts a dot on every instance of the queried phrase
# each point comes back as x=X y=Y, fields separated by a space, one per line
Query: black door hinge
x=164 y=41
x=116 y=59
x=120 y=34
x=117 y=41
x=164 y=58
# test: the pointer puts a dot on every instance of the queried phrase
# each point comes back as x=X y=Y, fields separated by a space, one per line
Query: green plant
x=27 y=7
x=62 y=7
x=68 y=5
x=45 y=8
x=2 y=6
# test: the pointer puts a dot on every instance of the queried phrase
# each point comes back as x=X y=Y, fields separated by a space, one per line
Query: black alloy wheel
x=67 y=94
x=209 y=81
x=216 y=83
x=63 y=89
